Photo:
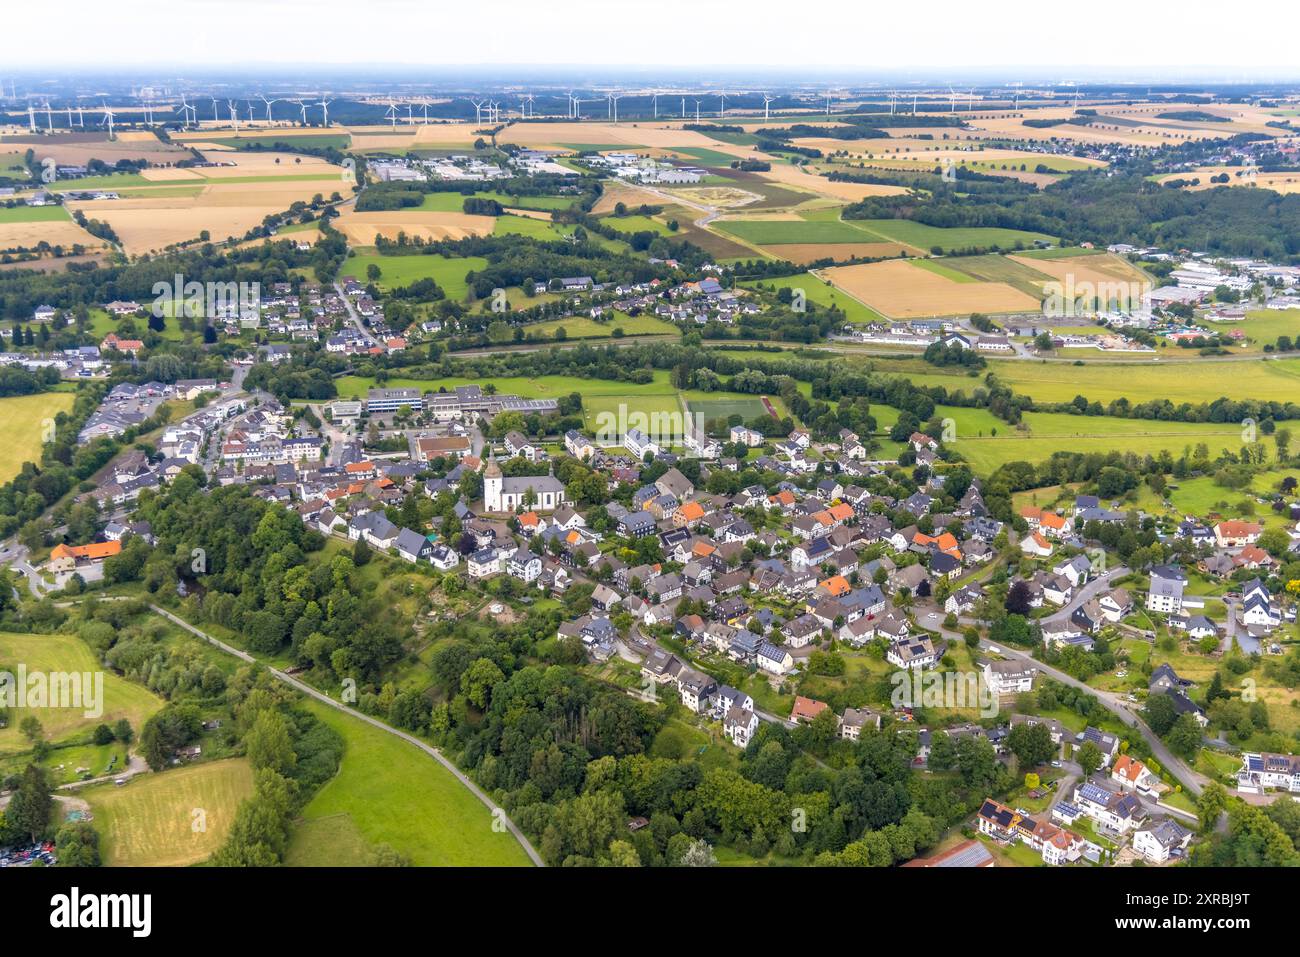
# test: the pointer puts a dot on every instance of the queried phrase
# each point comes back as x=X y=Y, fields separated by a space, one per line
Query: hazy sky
x=1119 y=38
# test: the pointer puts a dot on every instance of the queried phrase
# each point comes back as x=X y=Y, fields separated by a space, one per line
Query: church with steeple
x=541 y=493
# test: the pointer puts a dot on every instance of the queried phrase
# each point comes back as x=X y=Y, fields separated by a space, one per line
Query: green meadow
x=389 y=793
x=824 y=294
x=398 y=271
x=33 y=214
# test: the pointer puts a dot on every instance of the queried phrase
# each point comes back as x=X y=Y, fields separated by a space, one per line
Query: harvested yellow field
x=361 y=228
x=901 y=290
x=232 y=199
x=918 y=132
x=804 y=253
x=14 y=236
x=1278 y=182
x=1098 y=269
x=908 y=154
x=628 y=135
x=148 y=225
x=631 y=196
x=169 y=174
x=530 y=213
x=78 y=149
x=1151 y=131
x=793 y=176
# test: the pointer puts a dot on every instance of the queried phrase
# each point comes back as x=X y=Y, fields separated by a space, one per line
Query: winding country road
x=498 y=812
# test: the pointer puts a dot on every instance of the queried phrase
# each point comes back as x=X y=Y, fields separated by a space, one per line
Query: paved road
x=134 y=765
x=1089 y=591
x=1194 y=780
x=497 y=811
x=353 y=315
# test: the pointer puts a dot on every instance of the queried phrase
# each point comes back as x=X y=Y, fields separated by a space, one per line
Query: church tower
x=492 y=483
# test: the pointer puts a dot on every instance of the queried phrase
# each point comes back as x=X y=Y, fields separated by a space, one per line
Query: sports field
x=388 y=792
x=172 y=818
x=69 y=654
x=706 y=411
x=23 y=424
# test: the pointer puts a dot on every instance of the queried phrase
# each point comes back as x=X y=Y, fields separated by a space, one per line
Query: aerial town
x=655 y=471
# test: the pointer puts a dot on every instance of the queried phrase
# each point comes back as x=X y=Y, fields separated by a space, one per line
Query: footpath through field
x=497 y=811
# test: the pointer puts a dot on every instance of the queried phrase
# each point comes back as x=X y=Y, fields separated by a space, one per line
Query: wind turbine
x=828 y=104
x=81 y=115
x=425 y=107
x=302 y=108
x=893 y=101
x=1015 y=103
x=324 y=105
x=683 y=107
x=478 y=111
x=613 y=102
x=654 y=102
x=234 y=114
x=108 y=121
x=697 y=111
x=268 y=107
x=69 y=117
x=767 y=102
x=970 y=99
x=952 y=100
x=49 y=116
x=31 y=117
x=722 y=99
x=214 y=112
x=410 y=116
x=250 y=112
x=915 y=97
x=391 y=114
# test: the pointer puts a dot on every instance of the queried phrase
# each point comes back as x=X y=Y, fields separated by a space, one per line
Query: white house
x=774 y=659
x=1159 y=839
x=638 y=443
x=739 y=725
x=1009 y=677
